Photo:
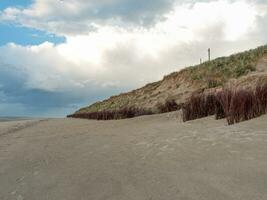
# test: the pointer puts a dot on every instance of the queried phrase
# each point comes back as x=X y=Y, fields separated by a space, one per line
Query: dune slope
x=179 y=86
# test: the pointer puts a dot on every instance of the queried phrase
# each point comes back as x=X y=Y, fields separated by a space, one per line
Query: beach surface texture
x=146 y=158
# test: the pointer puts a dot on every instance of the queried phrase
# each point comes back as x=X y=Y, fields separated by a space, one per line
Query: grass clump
x=112 y=115
x=168 y=106
x=199 y=106
x=236 y=105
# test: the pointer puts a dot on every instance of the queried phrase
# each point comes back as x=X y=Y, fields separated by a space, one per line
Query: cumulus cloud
x=78 y=16
x=110 y=49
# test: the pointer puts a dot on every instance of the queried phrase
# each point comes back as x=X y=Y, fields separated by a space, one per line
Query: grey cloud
x=76 y=17
x=61 y=19
x=71 y=17
x=17 y=99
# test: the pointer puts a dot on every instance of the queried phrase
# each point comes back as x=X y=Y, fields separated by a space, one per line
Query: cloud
x=106 y=56
x=76 y=17
x=71 y=17
x=23 y=93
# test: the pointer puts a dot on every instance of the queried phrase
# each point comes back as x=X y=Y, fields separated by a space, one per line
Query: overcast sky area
x=59 y=55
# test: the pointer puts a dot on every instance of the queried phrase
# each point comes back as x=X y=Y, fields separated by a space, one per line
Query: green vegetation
x=106 y=105
x=217 y=72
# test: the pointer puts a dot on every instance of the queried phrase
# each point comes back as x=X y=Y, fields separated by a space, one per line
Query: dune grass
x=169 y=106
x=112 y=115
x=217 y=72
x=199 y=106
x=236 y=105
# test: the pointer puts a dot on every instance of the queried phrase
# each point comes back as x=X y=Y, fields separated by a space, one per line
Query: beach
x=150 y=157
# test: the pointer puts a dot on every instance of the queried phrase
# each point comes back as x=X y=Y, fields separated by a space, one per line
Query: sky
x=59 y=55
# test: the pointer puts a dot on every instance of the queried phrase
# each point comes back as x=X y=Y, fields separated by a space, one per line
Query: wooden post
x=209 y=53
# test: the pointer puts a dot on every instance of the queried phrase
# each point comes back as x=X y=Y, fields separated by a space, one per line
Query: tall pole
x=200 y=60
x=209 y=53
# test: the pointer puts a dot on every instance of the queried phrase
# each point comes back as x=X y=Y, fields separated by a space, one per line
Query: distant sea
x=7 y=119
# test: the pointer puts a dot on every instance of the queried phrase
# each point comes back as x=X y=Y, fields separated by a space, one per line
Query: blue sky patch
x=16 y=3
x=22 y=35
x=26 y=36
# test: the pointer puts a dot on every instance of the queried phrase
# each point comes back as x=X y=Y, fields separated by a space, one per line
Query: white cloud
x=237 y=18
x=115 y=55
x=73 y=17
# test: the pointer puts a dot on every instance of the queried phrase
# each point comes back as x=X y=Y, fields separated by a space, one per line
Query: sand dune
x=151 y=157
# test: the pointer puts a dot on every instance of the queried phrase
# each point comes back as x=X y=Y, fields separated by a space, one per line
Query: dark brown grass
x=242 y=106
x=236 y=105
x=168 y=106
x=112 y=115
x=261 y=94
x=199 y=106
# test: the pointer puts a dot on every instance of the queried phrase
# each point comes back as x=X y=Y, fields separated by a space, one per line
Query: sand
x=146 y=158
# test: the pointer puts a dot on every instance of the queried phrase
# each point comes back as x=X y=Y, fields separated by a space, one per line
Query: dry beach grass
x=235 y=104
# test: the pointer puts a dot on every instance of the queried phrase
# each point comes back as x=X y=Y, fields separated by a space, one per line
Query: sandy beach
x=146 y=158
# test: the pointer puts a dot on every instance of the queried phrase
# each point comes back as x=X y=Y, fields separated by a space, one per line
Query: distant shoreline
x=8 y=119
